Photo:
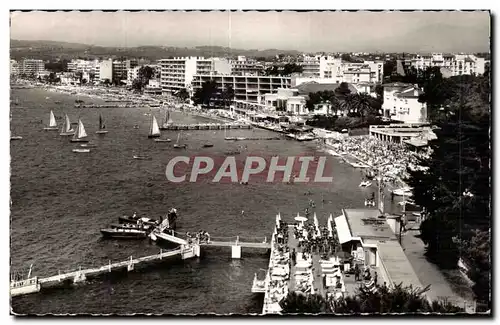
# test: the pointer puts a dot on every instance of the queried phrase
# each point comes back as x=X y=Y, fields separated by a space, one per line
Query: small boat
x=208 y=145
x=404 y=191
x=136 y=126
x=52 y=123
x=80 y=134
x=67 y=129
x=123 y=233
x=20 y=286
x=136 y=220
x=177 y=145
x=102 y=126
x=88 y=145
x=163 y=140
x=168 y=121
x=139 y=157
x=365 y=184
x=131 y=226
x=369 y=203
x=81 y=150
x=154 y=130
x=16 y=137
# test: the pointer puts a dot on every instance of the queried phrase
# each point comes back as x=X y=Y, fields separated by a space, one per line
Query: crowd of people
x=200 y=237
x=390 y=159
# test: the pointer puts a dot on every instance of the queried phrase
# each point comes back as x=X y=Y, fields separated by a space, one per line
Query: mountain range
x=49 y=50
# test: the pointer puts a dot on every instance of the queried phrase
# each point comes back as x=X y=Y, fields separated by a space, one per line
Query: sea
x=60 y=200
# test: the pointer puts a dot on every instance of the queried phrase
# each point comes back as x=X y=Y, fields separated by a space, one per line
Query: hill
x=50 y=50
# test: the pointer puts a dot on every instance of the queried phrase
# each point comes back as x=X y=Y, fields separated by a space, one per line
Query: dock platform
x=205 y=126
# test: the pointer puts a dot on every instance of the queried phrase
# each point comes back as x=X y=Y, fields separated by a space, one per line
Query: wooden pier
x=205 y=126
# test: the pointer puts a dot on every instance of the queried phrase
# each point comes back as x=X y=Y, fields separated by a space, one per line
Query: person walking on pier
x=294 y=257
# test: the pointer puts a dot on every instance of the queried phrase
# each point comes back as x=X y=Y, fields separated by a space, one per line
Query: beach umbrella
x=300 y=219
x=330 y=228
x=278 y=219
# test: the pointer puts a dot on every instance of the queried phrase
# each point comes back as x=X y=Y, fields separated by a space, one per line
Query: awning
x=343 y=230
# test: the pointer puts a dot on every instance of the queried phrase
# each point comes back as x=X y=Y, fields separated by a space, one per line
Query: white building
x=401 y=103
x=326 y=69
x=14 y=67
x=83 y=66
x=104 y=70
x=457 y=64
x=132 y=74
x=246 y=67
x=178 y=73
x=30 y=67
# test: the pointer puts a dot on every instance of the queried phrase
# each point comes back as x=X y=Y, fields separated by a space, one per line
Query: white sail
x=52 y=122
x=155 y=130
x=67 y=127
x=80 y=131
x=178 y=137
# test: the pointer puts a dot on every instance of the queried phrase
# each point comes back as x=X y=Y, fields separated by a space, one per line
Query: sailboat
x=168 y=121
x=102 y=126
x=80 y=134
x=67 y=129
x=52 y=123
x=177 y=145
x=154 y=130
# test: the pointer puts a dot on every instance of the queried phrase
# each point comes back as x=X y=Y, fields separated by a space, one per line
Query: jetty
x=36 y=284
x=253 y=138
x=205 y=126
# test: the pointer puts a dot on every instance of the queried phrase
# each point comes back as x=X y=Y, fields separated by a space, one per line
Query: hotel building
x=30 y=67
x=178 y=73
x=457 y=64
x=401 y=103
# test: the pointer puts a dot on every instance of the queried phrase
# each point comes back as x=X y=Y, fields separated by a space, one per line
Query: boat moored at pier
x=121 y=233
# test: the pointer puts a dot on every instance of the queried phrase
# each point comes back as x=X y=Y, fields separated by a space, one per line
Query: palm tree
x=348 y=104
x=363 y=104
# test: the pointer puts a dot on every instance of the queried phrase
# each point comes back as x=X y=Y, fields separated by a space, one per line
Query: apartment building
x=246 y=88
x=334 y=70
x=14 y=67
x=456 y=64
x=177 y=73
x=401 y=103
x=120 y=69
x=246 y=67
x=31 y=67
x=83 y=66
x=104 y=70
x=132 y=74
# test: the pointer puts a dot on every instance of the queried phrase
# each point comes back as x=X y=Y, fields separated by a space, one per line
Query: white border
x=185 y=4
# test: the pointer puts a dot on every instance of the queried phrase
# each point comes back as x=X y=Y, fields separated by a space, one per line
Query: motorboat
x=369 y=203
x=123 y=233
x=81 y=150
x=16 y=137
x=404 y=191
x=88 y=145
x=162 y=140
x=139 y=157
x=131 y=226
x=365 y=184
x=138 y=220
x=208 y=145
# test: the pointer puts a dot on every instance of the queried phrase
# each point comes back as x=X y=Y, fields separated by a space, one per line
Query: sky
x=451 y=31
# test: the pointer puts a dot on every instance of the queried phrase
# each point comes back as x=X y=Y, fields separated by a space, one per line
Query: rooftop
x=367 y=223
x=409 y=93
x=397 y=264
x=314 y=87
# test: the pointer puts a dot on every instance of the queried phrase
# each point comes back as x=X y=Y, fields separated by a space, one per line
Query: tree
x=397 y=299
x=183 y=94
x=144 y=74
x=363 y=104
x=296 y=303
x=455 y=190
x=206 y=94
x=227 y=95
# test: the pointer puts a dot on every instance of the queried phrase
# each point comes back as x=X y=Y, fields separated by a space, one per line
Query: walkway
x=427 y=272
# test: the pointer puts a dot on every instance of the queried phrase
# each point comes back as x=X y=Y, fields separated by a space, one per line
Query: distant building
x=14 y=67
x=246 y=67
x=31 y=68
x=401 y=103
x=132 y=74
x=83 y=66
x=286 y=100
x=457 y=64
x=104 y=71
x=120 y=70
x=337 y=71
